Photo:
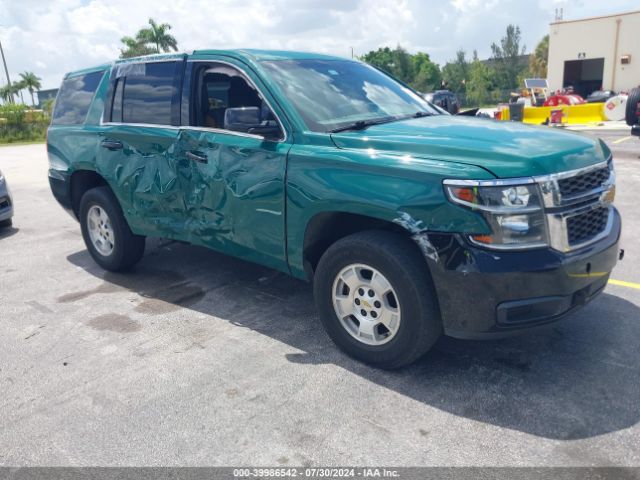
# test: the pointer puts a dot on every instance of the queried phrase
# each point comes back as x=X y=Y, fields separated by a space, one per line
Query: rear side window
x=74 y=98
x=145 y=93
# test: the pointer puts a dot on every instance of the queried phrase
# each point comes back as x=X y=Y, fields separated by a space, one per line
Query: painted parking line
x=620 y=140
x=624 y=284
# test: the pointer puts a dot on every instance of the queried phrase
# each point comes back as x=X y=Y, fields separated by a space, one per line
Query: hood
x=506 y=149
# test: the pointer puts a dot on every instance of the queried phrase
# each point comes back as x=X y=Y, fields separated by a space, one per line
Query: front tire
x=376 y=299
x=6 y=223
x=106 y=233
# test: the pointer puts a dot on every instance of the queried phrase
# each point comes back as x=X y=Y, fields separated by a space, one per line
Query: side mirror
x=247 y=120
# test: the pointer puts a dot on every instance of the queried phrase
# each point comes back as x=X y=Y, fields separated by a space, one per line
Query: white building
x=593 y=53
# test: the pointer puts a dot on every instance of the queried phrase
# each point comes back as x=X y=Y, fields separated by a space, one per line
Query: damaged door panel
x=233 y=194
x=231 y=180
x=136 y=149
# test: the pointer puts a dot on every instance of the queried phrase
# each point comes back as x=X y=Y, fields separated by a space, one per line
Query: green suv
x=410 y=222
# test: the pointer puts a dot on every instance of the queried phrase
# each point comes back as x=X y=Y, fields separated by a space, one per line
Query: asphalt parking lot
x=195 y=358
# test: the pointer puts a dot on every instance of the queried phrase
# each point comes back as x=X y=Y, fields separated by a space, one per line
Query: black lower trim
x=486 y=293
x=60 y=183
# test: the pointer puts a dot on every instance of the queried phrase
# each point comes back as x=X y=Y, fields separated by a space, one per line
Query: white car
x=6 y=203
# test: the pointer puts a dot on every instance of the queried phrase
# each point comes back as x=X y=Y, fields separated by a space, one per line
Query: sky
x=51 y=37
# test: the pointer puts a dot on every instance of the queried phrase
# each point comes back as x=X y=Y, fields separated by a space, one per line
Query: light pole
x=6 y=70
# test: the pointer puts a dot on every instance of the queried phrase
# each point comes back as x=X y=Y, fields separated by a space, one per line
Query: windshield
x=329 y=94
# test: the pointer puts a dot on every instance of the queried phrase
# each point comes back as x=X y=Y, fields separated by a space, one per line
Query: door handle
x=197 y=157
x=111 y=144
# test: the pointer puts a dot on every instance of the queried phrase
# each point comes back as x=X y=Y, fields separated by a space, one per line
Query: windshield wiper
x=362 y=124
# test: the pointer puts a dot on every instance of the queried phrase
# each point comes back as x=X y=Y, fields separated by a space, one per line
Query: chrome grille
x=577 y=205
x=583 y=227
x=583 y=183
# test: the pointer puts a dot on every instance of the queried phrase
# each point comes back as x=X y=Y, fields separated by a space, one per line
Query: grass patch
x=22 y=142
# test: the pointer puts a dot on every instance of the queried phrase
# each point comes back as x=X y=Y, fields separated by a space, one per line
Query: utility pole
x=6 y=70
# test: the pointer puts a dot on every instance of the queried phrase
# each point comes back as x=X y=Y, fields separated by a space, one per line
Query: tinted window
x=147 y=93
x=116 y=109
x=74 y=98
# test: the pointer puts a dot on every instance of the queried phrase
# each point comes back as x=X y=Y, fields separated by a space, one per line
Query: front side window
x=145 y=93
x=74 y=98
x=223 y=98
x=329 y=94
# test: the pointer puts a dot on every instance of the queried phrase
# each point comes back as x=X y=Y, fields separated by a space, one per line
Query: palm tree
x=31 y=82
x=16 y=89
x=134 y=48
x=538 y=59
x=158 y=36
x=6 y=93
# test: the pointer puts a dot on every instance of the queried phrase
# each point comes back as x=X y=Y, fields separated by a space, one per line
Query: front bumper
x=6 y=202
x=484 y=294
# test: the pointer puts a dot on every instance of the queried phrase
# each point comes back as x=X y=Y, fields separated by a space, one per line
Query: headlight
x=513 y=211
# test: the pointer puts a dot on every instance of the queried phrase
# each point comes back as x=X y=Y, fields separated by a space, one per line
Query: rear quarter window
x=74 y=98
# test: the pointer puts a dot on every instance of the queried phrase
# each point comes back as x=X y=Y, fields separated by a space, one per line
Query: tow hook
x=621 y=254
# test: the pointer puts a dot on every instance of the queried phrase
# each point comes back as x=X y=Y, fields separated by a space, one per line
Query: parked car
x=410 y=223
x=600 y=96
x=6 y=203
x=444 y=99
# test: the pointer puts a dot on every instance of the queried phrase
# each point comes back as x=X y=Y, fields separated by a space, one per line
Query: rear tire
x=6 y=223
x=631 y=113
x=387 y=320
x=106 y=232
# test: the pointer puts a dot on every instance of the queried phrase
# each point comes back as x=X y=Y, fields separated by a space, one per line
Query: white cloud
x=55 y=36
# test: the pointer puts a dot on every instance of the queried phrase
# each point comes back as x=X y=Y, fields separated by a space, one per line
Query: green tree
x=17 y=88
x=32 y=83
x=479 y=84
x=539 y=58
x=402 y=65
x=158 y=35
x=506 y=58
x=152 y=39
x=134 y=48
x=456 y=72
x=6 y=93
x=426 y=74
x=416 y=70
x=380 y=58
x=397 y=62
x=47 y=106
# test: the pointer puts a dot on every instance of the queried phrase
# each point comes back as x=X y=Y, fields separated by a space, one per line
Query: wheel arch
x=82 y=181
x=325 y=228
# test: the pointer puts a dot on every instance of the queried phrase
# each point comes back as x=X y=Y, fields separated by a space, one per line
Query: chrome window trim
x=184 y=127
x=253 y=84
x=146 y=125
x=229 y=132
